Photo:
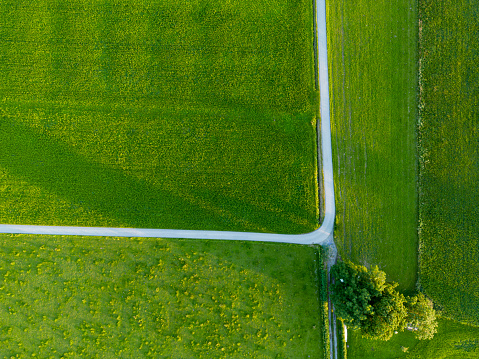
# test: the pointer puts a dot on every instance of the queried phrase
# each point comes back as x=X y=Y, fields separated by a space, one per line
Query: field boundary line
x=322 y=236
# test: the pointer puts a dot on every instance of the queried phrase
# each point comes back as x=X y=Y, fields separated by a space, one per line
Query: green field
x=374 y=85
x=161 y=114
x=138 y=298
x=373 y=71
x=449 y=145
x=452 y=341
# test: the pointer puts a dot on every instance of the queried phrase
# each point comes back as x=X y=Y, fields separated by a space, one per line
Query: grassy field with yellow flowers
x=97 y=297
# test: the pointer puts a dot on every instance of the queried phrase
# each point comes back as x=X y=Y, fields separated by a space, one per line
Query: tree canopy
x=364 y=300
x=422 y=316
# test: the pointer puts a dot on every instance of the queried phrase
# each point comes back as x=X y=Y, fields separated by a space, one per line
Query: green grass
x=373 y=56
x=373 y=71
x=449 y=171
x=163 y=114
x=453 y=341
x=138 y=298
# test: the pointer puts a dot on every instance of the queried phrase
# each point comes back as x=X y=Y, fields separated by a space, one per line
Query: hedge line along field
x=453 y=340
x=449 y=162
x=373 y=55
x=142 y=298
x=160 y=114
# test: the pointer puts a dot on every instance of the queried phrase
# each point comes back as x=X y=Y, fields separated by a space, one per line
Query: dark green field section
x=373 y=70
x=449 y=145
x=69 y=297
x=159 y=114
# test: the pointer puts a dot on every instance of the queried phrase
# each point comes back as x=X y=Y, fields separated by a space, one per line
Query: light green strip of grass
x=160 y=114
x=141 y=298
x=453 y=340
x=449 y=145
x=373 y=56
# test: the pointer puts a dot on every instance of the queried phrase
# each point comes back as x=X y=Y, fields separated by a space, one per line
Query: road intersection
x=321 y=236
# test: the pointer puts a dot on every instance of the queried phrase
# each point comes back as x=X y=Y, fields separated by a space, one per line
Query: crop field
x=449 y=145
x=141 y=298
x=453 y=340
x=373 y=71
x=159 y=114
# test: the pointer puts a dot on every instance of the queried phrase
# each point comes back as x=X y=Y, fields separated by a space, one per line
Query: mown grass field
x=151 y=298
x=448 y=156
x=449 y=148
x=452 y=341
x=161 y=114
x=373 y=71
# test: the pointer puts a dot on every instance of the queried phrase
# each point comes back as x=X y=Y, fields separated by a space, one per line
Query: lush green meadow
x=163 y=114
x=373 y=71
x=452 y=341
x=449 y=149
x=137 y=298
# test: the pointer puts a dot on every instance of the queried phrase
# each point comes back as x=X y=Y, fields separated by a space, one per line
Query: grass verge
x=323 y=298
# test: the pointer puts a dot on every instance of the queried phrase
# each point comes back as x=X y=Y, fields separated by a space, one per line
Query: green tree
x=421 y=316
x=364 y=300
x=389 y=314
x=352 y=292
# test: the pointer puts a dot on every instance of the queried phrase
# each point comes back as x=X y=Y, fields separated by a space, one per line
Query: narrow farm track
x=322 y=53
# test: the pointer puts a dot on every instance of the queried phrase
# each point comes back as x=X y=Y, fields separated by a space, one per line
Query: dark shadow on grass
x=449 y=268
x=374 y=217
x=116 y=196
x=51 y=165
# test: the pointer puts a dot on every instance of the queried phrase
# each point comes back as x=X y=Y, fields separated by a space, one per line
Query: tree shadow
x=376 y=212
x=53 y=166
x=112 y=197
x=449 y=245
